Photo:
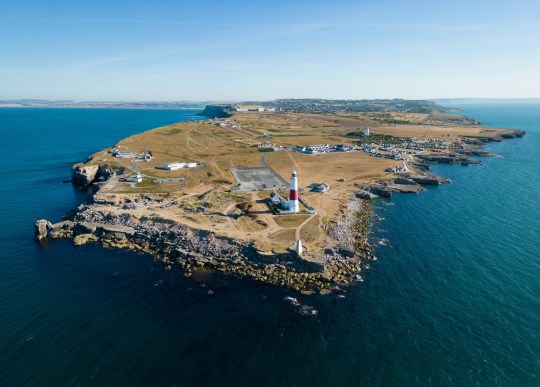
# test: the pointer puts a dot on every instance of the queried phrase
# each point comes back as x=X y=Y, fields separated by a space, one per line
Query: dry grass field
x=329 y=167
x=443 y=132
x=203 y=198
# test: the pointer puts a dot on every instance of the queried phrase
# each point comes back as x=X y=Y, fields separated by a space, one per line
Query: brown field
x=443 y=132
x=351 y=166
x=295 y=123
x=246 y=215
x=289 y=221
x=283 y=236
x=310 y=231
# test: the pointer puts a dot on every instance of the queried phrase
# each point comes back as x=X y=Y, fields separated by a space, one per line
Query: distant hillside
x=309 y=105
x=38 y=103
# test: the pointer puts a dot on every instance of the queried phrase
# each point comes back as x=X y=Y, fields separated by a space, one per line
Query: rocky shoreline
x=191 y=249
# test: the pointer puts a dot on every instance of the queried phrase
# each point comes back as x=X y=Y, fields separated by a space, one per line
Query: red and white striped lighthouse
x=293 y=195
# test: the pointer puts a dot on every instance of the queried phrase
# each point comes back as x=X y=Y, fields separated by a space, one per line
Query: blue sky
x=248 y=50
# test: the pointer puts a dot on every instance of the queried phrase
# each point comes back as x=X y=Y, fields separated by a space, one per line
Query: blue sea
x=453 y=299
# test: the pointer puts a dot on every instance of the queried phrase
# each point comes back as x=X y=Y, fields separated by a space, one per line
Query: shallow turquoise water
x=455 y=298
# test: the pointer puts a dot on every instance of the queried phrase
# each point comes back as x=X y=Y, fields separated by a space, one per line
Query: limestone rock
x=380 y=190
x=84 y=175
x=404 y=181
x=425 y=180
x=62 y=230
x=83 y=239
x=346 y=251
x=366 y=195
x=41 y=229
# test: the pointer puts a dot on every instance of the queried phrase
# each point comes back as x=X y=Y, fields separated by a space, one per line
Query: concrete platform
x=256 y=179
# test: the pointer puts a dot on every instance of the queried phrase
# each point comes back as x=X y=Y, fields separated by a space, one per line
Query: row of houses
x=374 y=152
x=322 y=148
x=396 y=169
x=423 y=143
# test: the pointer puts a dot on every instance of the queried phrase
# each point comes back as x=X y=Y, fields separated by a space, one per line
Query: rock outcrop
x=84 y=175
x=425 y=180
x=380 y=190
x=404 y=181
x=366 y=195
x=41 y=229
x=62 y=230
x=83 y=239
x=442 y=159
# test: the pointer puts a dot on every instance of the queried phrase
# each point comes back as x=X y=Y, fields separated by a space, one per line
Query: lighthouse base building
x=290 y=205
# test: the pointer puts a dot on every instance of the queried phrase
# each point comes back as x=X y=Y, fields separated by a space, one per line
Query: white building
x=134 y=179
x=175 y=166
x=321 y=148
x=124 y=155
x=278 y=200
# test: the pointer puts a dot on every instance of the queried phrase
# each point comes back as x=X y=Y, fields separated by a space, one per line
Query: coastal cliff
x=217 y=111
x=84 y=175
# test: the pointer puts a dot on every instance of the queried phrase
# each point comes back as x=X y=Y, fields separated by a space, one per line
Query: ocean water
x=453 y=299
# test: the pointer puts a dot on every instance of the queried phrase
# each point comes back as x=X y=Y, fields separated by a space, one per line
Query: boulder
x=58 y=233
x=62 y=230
x=119 y=235
x=346 y=251
x=41 y=229
x=65 y=225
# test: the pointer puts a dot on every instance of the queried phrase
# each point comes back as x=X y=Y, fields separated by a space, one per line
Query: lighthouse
x=293 y=195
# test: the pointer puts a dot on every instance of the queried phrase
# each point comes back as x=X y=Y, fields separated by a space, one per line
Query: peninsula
x=217 y=193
